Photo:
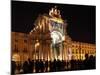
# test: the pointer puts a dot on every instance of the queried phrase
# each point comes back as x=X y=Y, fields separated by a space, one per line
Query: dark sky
x=80 y=18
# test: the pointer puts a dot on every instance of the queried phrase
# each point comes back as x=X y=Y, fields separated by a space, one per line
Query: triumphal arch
x=49 y=39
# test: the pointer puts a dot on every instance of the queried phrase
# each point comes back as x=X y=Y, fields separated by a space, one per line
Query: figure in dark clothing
x=63 y=65
x=46 y=65
x=89 y=62
x=51 y=66
x=58 y=65
x=54 y=65
x=19 y=67
x=25 y=67
x=33 y=64
x=41 y=65
x=37 y=66
x=30 y=66
x=13 y=67
x=86 y=62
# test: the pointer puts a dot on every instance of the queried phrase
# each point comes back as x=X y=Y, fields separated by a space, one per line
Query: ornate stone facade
x=49 y=40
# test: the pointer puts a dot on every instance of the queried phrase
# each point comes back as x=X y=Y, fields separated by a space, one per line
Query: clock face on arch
x=57 y=32
x=56 y=37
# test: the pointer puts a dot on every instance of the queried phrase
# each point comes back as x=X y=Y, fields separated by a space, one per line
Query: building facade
x=49 y=40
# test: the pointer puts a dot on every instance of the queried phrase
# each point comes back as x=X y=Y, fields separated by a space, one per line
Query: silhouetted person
x=51 y=66
x=33 y=63
x=25 y=67
x=19 y=67
x=41 y=65
x=94 y=59
x=91 y=62
x=46 y=65
x=86 y=62
x=59 y=65
x=63 y=65
x=30 y=66
x=13 y=67
x=73 y=64
x=54 y=65
x=80 y=67
x=37 y=66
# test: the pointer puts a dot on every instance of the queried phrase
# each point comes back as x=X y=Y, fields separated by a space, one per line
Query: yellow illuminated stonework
x=49 y=40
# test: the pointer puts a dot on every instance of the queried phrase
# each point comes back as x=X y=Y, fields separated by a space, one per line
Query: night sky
x=81 y=19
